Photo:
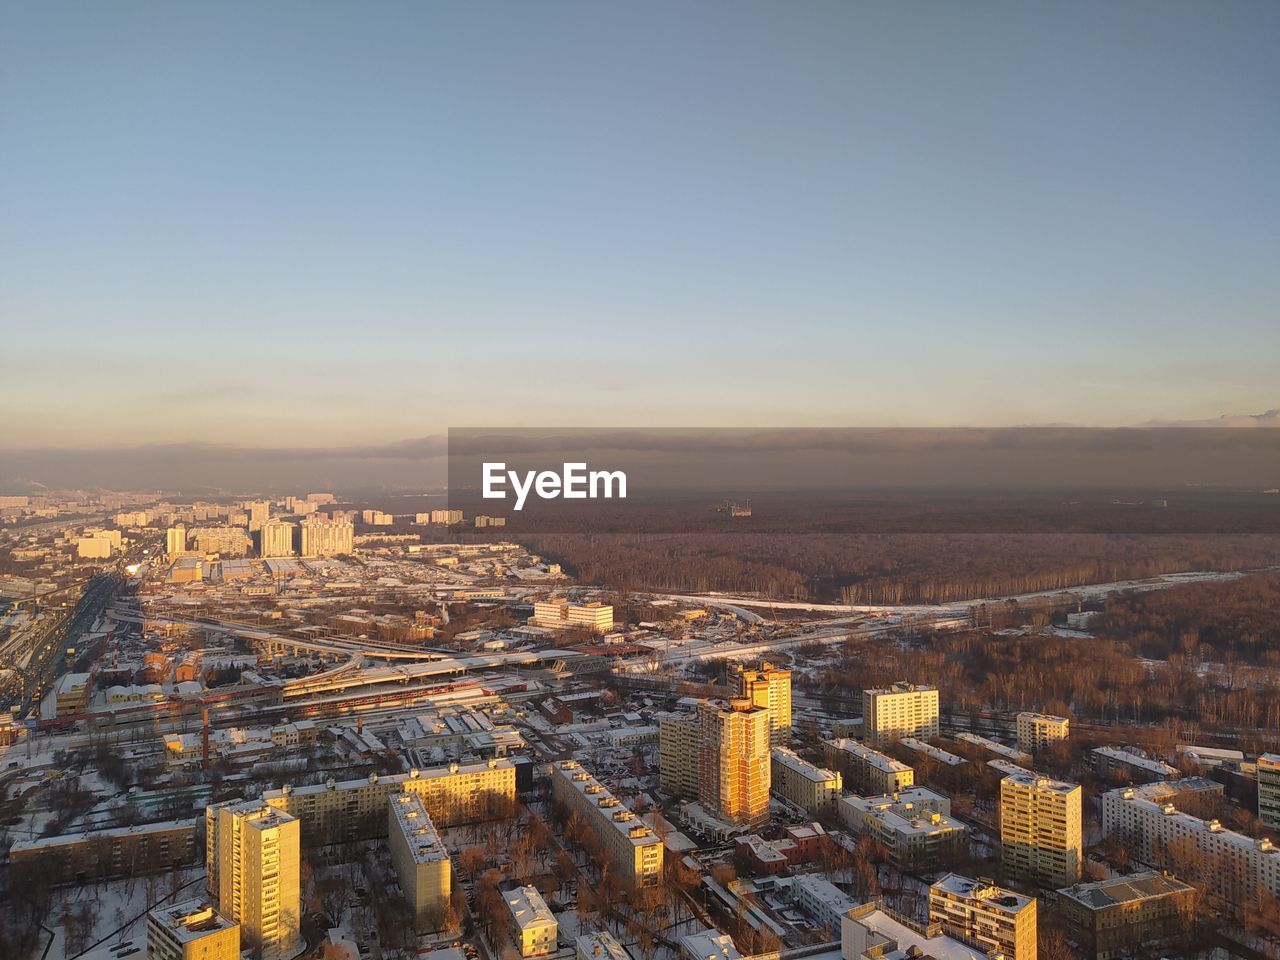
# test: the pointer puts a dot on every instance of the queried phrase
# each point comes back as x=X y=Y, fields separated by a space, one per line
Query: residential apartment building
x=902 y=710
x=678 y=738
x=191 y=930
x=867 y=771
x=1039 y=731
x=734 y=761
x=559 y=614
x=1127 y=765
x=96 y=855
x=533 y=925
x=874 y=932
x=769 y=687
x=599 y=945
x=357 y=809
x=1269 y=790
x=420 y=860
x=1230 y=866
x=1040 y=829
x=276 y=539
x=1123 y=917
x=175 y=540
x=978 y=911
x=634 y=850
x=224 y=541
x=812 y=788
x=323 y=537
x=258 y=876
x=914 y=826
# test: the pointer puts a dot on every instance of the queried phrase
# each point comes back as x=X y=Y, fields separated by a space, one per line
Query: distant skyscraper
x=277 y=539
x=258 y=876
x=769 y=687
x=734 y=760
x=259 y=512
x=322 y=537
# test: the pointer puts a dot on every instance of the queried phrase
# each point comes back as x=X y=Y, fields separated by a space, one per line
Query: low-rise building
x=1039 y=731
x=1129 y=765
x=874 y=932
x=191 y=930
x=95 y=855
x=599 y=945
x=978 y=911
x=533 y=925
x=914 y=826
x=1121 y=916
x=810 y=787
x=867 y=771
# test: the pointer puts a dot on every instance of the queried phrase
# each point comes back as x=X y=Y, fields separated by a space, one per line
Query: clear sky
x=321 y=223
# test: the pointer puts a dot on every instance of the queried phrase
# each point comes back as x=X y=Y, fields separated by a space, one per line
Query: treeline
x=889 y=568
x=1088 y=678
x=1224 y=621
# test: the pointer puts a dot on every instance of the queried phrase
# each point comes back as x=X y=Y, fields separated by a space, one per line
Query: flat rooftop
x=1122 y=890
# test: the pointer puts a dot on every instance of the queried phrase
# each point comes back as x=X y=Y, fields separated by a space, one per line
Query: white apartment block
x=560 y=614
x=599 y=945
x=902 y=710
x=914 y=826
x=808 y=786
x=1038 y=731
x=867 y=771
x=420 y=860
x=276 y=539
x=1229 y=865
x=634 y=850
x=322 y=537
x=533 y=925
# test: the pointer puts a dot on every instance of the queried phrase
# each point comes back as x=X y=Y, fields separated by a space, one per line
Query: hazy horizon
x=325 y=225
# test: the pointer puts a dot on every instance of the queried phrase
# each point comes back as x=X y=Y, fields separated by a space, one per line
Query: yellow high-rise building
x=175 y=540
x=1037 y=731
x=276 y=539
x=678 y=739
x=734 y=760
x=1040 y=829
x=258 y=876
x=322 y=537
x=769 y=687
x=902 y=710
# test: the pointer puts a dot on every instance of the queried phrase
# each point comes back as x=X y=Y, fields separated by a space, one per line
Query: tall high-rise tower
x=276 y=539
x=769 y=687
x=175 y=540
x=733 y=760
x=257 y=869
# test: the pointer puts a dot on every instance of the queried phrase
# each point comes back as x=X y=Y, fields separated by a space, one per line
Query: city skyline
x=341 y=227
